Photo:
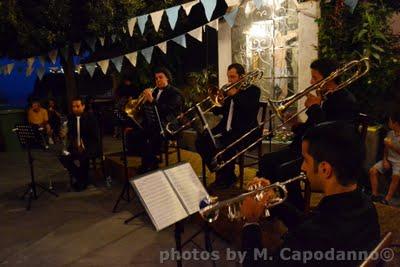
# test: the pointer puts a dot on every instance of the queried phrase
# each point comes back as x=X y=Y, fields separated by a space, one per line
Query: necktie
x=230 y=115
x=158 y=94
x=78 y=130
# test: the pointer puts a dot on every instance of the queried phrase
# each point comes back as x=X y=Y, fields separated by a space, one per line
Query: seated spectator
x=54 y=118
x=39 y=117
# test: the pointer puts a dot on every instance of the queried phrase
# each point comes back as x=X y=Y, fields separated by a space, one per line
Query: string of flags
x=156 y=18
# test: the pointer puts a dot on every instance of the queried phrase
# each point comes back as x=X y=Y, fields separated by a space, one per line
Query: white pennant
x=30 y=61
x=148 y=53
x=42 y=60
x=77 y=48
x=188 y=6
x=40 y=72
x=104 y=65
x=172 y=14
x=156 y=18
x=181 y=40
x=197 y=33
x=124 y=30
x=91 y=67
x=131 y=26
x=142 y=20
x=213 y=24
x=53 y=56
x=132 y=57
x=102 y=39
x=29 y=71
x=163 y=47
x=9 y=68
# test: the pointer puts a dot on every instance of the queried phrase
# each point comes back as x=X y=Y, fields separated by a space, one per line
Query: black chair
x=170 y=146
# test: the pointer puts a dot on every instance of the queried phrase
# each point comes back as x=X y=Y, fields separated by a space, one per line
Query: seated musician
x=239 y=111
x=54 y=118
x=168 y=102
x=39 y=117
x=345 y=219
x=337 y=105
x=84 y=143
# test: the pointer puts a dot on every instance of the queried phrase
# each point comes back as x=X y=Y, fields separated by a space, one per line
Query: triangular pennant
x=91 y=41
x=156 y=18
x=148 y=53
x=77 y=48
x=132 y=57
x=9 y=68
x=351 y=4
x=113 y=38
x=181 y=40
x=104 y=65
x=40 y=72
x=64 y=52
x=142 y=22
x=102 y=40
x=172 y=14
x=42 y=60
x=231 y=17
x=188 y=6
x=209 y=7
x=131 y=26
x=30 y=61
x=53 y=56
x=117 y=61
x=29 y=71
x=197 y=33
x=258 y=3
x=163 y=47
x=213 y=24
x=91 y=67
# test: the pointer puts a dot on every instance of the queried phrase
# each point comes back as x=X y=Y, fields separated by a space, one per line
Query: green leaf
x=378 y=48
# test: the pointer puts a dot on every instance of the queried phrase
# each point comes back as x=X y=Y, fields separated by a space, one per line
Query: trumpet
x=210 y=207
x=133 y=107
x=216 y=98
x=279 y=107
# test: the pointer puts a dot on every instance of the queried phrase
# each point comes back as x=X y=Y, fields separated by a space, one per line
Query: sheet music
x=187 y=185
x=160 y=200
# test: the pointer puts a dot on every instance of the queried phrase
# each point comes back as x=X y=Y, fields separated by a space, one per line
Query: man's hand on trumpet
x=148 y=95
x=312 y=100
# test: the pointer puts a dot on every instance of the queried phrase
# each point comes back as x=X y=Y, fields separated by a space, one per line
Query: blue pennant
x=117 y=61
x=142 y=22
x=231 y=17
x=209 y=7
x=172 y=14
x=148 y=53
x=181 y=40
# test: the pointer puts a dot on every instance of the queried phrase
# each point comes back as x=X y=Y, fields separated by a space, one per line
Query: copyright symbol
x=387 y=254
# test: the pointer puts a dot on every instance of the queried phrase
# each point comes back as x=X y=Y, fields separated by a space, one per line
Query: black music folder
x=170 y=194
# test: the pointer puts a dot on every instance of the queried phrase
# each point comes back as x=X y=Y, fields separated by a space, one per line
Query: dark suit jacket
x=89 y=130
x=245 y=111
x=344 y=222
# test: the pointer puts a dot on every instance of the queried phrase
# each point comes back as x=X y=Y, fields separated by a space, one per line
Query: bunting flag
x=53 y=56
x=64 y=52
x=148 y=53
x=91 y=67
x=231 y=17
x=156 y=18
x=77 y=48
x=142 y=22
x=163 y=47
x=181 y=40
x=92 y=43
x=132 y=57
x=213 y=24
x=131 y=26
x=30 y=61
x=351 y=4
x=117 y=61
x=42 y=60
x=103 y=64
x=188 y=6
x=113 y=38
x=209 y=7
x=9 y=68
x=172 y=14
x=102 y=40
x=197 y=33
x=258 y=3
x=29 y=71
x=40 y=72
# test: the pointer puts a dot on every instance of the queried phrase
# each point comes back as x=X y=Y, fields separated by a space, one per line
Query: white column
x=224 y=51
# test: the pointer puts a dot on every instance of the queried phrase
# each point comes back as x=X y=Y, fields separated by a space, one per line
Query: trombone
x=210 y=207
x=216 y=97
x=359 y=67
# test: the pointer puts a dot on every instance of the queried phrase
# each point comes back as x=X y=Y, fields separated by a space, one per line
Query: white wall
x=224 y=50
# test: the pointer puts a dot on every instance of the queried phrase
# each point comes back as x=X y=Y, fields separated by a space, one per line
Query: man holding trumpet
x=344 y=220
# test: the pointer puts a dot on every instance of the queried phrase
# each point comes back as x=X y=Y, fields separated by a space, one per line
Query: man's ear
x=325 y=169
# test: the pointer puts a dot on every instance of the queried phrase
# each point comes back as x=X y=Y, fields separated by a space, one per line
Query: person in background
x=54 y=118
x=39 y=117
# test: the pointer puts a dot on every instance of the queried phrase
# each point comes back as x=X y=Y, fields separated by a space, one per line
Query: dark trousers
x=280 y=166
x=79 y=172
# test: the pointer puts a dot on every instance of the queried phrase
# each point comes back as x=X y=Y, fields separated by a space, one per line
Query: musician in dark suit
x=84 y=143
x=337 y=105
x=161 y=104
x=344 y=221
x=239 y=115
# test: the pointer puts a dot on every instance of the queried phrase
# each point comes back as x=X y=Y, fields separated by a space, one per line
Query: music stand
x=30 y=137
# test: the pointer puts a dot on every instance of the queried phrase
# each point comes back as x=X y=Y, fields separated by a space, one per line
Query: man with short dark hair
x=84 y=143
x=344 y=221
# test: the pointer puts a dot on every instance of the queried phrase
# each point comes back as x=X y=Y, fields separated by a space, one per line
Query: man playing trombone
x=344 y=221
x=239 y=111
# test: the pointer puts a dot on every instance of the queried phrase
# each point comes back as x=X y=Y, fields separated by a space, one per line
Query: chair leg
x=178 y=152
